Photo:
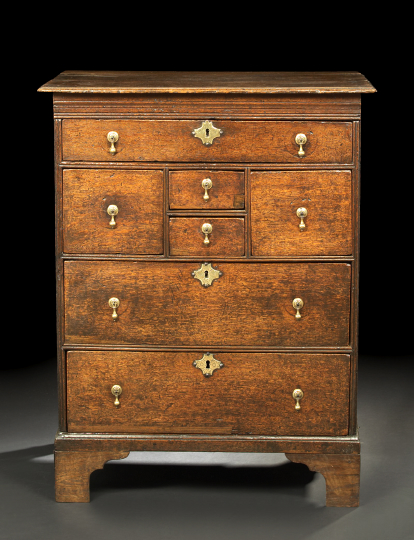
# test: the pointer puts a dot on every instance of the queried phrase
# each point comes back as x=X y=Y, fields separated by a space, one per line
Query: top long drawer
x=234 y=141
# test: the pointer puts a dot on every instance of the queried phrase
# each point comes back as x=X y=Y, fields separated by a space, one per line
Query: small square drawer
x=243 y=394
x=206 y=190
x=207 y=236
x=296 y=213
x=113 y=211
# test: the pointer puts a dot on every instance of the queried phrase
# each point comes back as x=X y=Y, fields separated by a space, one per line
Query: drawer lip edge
x=233 y=348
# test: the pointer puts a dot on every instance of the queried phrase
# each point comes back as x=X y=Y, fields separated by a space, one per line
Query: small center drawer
x=206 y=190
x=251 y=393
x=190 y=236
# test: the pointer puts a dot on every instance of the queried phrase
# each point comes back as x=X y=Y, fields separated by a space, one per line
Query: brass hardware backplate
x=207 y=132
x=206 y=274
x=208 y=364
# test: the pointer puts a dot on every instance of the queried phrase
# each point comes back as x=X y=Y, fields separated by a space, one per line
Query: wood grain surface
x=139 y=223
x=162 y=392
x=275 y=198
x=173 y=141
x=179 y=442
x=224 y=106
x=206 y=82
x=341 y=472
x=73 y=470
x=161 y=303
x=226 y=193
x=226 y=240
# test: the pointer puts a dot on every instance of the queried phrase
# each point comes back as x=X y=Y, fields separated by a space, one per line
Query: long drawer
x=164 y=392
x=174 y=141
x=163 y=303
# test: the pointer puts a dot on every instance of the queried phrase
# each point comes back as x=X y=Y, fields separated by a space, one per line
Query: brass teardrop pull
x=114 y=304
x=301 y=140
x=112 y=211
x=112 y=138
x=298 y=305
x=297 y=396
x=301 y=213
x=206 y=184
x=116 y=391
x=206 y=229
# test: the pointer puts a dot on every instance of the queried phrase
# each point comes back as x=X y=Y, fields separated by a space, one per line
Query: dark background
x=28 y=222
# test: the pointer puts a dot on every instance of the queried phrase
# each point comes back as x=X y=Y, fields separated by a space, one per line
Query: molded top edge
x=206 y=82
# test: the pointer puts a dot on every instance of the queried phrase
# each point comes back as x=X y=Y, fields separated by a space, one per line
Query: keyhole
x=208 y=364
x=207 y=132
x=206 y=274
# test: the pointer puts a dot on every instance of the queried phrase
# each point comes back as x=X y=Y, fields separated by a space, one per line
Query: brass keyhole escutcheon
x=112 y=138
x=301 y=213
x=206 y=274
x=298 y=305
x=206 y=184
x=208 y=364
x=116 y=391
x=114 y=305
x=297 y=396
x=206 y=229
x=112 y=211
x=301 y=140
x=207 y=132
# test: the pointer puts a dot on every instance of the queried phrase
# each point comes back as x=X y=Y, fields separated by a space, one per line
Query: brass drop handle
x=112 y=138
x=114 y=305
x=301 y=140
x=207 y=184
x=298 y=305
x=297 y=395
x=116 y=391
x=112 y=211
x=206 y=229
x=301 y=213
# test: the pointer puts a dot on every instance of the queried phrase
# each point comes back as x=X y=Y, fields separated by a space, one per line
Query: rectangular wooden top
x=205 y=82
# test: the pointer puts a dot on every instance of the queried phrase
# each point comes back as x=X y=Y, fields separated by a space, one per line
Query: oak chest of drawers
x=207 y=268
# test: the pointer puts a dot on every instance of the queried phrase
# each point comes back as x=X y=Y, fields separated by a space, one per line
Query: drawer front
x=137 y=224
x=163 y=392
x=162 y=303
x=240 y=141
x=206 y=190
x=226 y=238
x=321 y=198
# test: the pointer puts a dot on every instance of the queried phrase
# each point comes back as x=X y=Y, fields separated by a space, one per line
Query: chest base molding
x=78 y=455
